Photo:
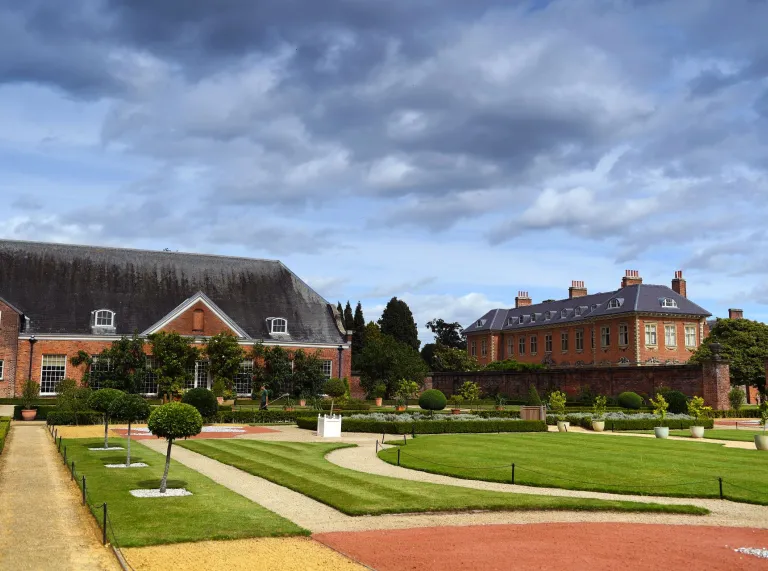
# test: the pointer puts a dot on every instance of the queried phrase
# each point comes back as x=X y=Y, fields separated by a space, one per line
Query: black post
x=73 y=470
x=398 y=456
x=59 y=443
x=83 y=489
x=104 y=531
x=513 y=472
x=404 y=440
x=413 y=431
x=382 y=438
x=377 y=446
x=65 y=455
x=721 y=488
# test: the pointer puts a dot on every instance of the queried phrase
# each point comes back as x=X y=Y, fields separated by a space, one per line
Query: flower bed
x=418 y=423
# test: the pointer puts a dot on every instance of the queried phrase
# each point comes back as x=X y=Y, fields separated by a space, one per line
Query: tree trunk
x=106 y=431
x=128 y=458
x=164 y=481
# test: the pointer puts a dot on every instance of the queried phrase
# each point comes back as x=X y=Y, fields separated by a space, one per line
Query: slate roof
x=57 y=286
x=643 y=298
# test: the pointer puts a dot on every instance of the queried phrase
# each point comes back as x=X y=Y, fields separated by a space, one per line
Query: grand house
x=57 y=299
x=637 y=324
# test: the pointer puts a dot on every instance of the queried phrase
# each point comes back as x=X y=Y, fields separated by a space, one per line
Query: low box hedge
x=255 y=416
x=648 y=424
x=58 y=418
x=743 y=413
x=429 y=426
x=42 y=411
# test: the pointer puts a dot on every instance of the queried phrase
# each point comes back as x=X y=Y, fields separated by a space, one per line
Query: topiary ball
x=630 y=400
x=678 y=402
x=203 y=400
x=335 y=388
x=102 y=399
x=175 y=420
x=432 y=399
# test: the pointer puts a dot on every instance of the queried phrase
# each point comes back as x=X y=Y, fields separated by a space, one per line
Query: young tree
x=120 y=366
x=101 y=401
x=174 y=357
x=273 y=368
x=358 y=335
x=450 y=359
x=745 y=344
x=72 y=397
x=386 y=360
x=448 y=334
x=470 y=391
x=225 y=356
x=171 y=421
x=349 y=320
x=130 y=408
x=308 y=375
x=397 y=321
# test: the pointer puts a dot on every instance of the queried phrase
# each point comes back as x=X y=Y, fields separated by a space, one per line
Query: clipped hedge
x=57 y=417
x=429 y=426
x=5 y=426
x=256 y=416
x=743 y=413
x=631 y=400
x=42 y=411
x=647 y=424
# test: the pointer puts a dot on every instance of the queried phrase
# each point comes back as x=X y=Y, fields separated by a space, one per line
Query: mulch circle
x=203 y=435
x=556 y=546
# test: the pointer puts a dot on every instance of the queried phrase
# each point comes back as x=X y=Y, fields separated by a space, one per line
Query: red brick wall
x=678 y=353
x=9 y=335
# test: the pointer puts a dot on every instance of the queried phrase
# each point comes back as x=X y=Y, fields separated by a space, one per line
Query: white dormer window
x=278 y=325
x=548 y=316
x=480 y=323
x=104 y=318
x=577 y=311
x=668 y=302
x=533 y=317
x=564 y=313
x=511 y=320
x=594 y=307
x=614 y=303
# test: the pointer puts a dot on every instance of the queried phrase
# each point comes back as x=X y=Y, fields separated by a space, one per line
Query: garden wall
x=711 y=381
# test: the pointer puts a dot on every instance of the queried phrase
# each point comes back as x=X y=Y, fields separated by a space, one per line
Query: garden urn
x=598 y=425
x=761 y=441
x=220 y=400
x=29 y=414
x=400 y=408
x=697 y=431
x=661 y=431
x=378 y=400
x=302 y=402
x=563 y=425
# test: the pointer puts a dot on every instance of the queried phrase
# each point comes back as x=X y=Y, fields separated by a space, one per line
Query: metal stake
x=83 y=489
x=398 y=456
x=104 y=531
x=73 y=470
x=721 y=488
x=513 y=472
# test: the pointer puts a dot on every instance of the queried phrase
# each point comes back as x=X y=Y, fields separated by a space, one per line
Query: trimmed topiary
x=335 y=388
x=678 y=402
x=432 y=400
x=533 y=396
x=203 y=400
x=129 y=408
x=171 y=421
x=101 y=401
x=630 y=400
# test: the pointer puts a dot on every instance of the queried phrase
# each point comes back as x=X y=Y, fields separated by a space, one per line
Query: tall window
x=483 y=348
x=670 y=335
x=244 y=378
x=473 y=348
x=548 y=342
x=53 y=371
x=197 y=376
x=564 y=341
x=605 y=336
x=579 y=340
x=690 y=336
x=510 y=346
x=328 y=368
x=100 y=369
x=592 y=337
x=521 y=345
x=650 y=334
x=150 y=376
x=1 y=369
x=623 y=334
x=534 y=344
x=279 y=325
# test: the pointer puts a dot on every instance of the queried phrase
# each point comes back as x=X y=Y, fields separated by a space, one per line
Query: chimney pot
x=678 y=284
x=577 y=289
x=522 y=299
x=631 y=277
x=735 y=314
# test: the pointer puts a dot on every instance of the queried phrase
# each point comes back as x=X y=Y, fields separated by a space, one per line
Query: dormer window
x=278 y=325
x=667 y=302
x=577 y=311
x=103 y=318
x=533 y=318
x=564 y=313
x=614 y=303
x=511 y=320
x=594 y=306
x=548 y=316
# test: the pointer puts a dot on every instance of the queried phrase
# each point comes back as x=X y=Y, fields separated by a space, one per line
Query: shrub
x=430 y=426
x=129 y=408
x=470 y=391
x=737 y=396
x=42 y=411
x=29 y=392
x=203 y=400
x=678 y=402
x=660 y=406
x=533 y=396
x=557 y=403
x=101 y=401
x=335 y=388
x=630 y=400
x=5 y=426
x=171 y=421
x=432 y=400
x=219 y=386
x=598 y=408
x=63 y=418
x=379 y=391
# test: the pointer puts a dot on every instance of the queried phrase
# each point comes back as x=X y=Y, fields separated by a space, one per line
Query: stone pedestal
x=328 y=426
x=717 y=384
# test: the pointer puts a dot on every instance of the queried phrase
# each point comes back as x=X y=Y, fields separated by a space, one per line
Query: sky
x=447 y=152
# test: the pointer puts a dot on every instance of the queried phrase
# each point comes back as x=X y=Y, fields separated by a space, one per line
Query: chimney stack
x=735 y=314
x=577 y=289
x=522 y=299
x=678 y=284
x=631 y=277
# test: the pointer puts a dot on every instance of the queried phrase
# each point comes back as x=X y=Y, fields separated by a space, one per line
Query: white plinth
x=329 y=426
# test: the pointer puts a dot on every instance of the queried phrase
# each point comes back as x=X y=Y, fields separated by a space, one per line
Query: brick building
x=637 y=324
x=56 y=300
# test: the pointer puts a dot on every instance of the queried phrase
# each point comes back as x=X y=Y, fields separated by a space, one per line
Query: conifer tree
x=358 y=337
x=397 y=321
x=349 y=320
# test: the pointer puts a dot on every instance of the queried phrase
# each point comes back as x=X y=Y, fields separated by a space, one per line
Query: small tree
x=697 y=410
x=174 y=357
x=225 y=356
x=533 y=396
x=130 y=408
x=405 y=390
x=598 y=408
x=29 y=393
x=335 y=388
x=470 y=391
x=72 y=397
x=737 y=396
x=101 y=401
x=171 y=421
x=203 y=400
x=557 y=403
x=308 y=375
x=432 y=400
x=272 y=368
x=660 y=406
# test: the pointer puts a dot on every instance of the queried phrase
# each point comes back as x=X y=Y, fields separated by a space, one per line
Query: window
x=198 y=320
x=100 y=369
x=328 y=368
x=473 y=348
x=1 y=369
x=623 y=361
x=594 y=306
x=592 y=337
x=579 y=340
x=563 y=341
x=483 y=348
x=690 y=336
x=548 y=342
x=614 y=303
x=534 y=344
x=244 y=378
x=480 y=323
x=650 y=334
x=198 y=376
x=623 y=334
x=667 y=302
x=670 y=335
x=104 y=318
x=278 y=325
x=521 y=345
x=510 y=346
x=53 y=371
x=577 y=311
x=548 y=315
x=564 y=313
x=533 y=317
x=150 y=376
x=511 y=320
x=605 y=336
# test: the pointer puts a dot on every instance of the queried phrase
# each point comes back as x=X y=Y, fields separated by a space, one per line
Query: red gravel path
x=203 y=435
x=556 y=546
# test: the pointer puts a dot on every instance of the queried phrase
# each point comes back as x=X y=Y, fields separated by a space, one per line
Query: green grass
x=741 y=435
x=599 y=463
x=211 y=512
x=302 y=467
x=5 y=427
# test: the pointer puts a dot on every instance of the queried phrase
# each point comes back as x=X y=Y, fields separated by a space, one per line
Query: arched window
x=614 y=303
x=279 y=325
x=564 y=313
x=104 y=318
x=668 y=302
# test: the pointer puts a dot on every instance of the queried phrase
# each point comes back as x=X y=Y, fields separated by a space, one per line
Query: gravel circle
x=169 y=493
x=102 y=449
x=133 y=465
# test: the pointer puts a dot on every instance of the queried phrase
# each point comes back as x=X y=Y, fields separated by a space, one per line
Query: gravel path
x=43 y=525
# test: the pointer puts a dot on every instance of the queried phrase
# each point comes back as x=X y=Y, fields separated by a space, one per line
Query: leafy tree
x=124 y=365
x=405 y=390
x=72 y=397
x=225 y=356
x=745 y=344
x=428 y=354
x=130 y=408
x=174 y=357
x=349 y=320
x=358 y=335
x=470 y=391
x=450 y=359
x=448 y=334
x=737 y=396
x=203 y=400
x=386 y=360
x=101 y=401
x=308 y=376
x=512 y=365
x=557 y=404
x=273 y=369
x=171 y=421
x=397 y=321
x=340 y=309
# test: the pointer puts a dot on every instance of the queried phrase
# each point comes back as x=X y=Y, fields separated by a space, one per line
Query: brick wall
x=184 y=324
x=9 y=336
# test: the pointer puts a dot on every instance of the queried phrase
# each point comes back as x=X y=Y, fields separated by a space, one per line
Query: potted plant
x=29 y=392
x=378 y=393
x=761 y=440
x=303 y=399
x=557 y=404
x=598 y=411
x=697 y=410
x=218 y=388
x=533 y=408
x=500 y=401
x=456 y=401
x=405 y=390
x=660 y=406
x=289 y=405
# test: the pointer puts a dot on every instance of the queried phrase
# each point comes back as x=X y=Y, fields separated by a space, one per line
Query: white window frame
x=510 y=346
x=690 y=330
x=150 y=376
x=329 y=373
x=651 y=334
x=63 y=376
x=623 y=334
x=533 y=318
x=534 y=341
x=521 y=345
x=670 y=333
x=579 y=340
x=101 y=313
x=483 y=347
x=614 y=303
x=547 y=342
x=564 y=341
x=605 y=336
x=563 y=313
x=473 y=348
x=668 y=302
x=278 y=321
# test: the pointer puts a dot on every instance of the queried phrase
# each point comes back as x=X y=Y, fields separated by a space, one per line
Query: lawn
x=621 y=464
x=211 y=512
x=741 y=435
x=302 y=467
x=5 y=428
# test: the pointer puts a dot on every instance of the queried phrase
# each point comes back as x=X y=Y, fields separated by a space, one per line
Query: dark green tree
x=101 y=401
x=225 y=356
x=174 y=357
x=386 y=360
x=129 y=408
x=340 y=309
x=358 y=335
x=428 y=354
x=171 y=421
x=397 y=321
x=308 y=375
x=272 y=368
x=120 y=366
x=349 y=320
x=450 y=359
x=72 y=397
x=745 y=344
x=448 y=334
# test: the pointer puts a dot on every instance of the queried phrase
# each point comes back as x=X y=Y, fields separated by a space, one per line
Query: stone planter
x=378 y=400
x=661 y=431
x=29 y=414
x=533 y=413
x=455 y=411
x=499 y=407
x=563 y=425
x=761 y=441
x=697 y=431
x=302 y=402
x=598 y=425
x=400 y=408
